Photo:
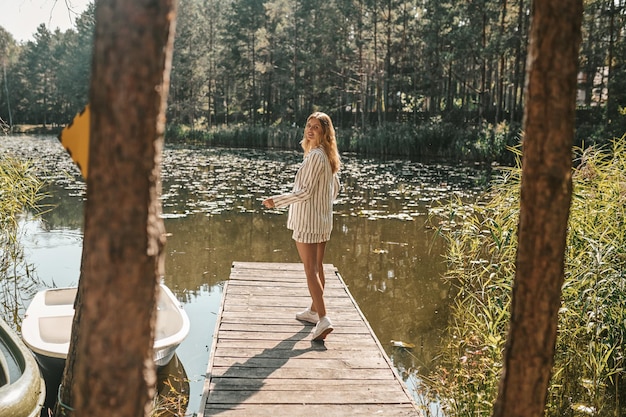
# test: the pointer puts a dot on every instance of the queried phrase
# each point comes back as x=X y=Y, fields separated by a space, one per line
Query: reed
x=434 y=138
x=589 y=370
x=20 y=191
x=238 y=136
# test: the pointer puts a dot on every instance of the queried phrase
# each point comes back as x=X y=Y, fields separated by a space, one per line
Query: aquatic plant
x=588 y=374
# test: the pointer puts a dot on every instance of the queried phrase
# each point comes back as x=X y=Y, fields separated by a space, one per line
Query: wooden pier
x=263 y=362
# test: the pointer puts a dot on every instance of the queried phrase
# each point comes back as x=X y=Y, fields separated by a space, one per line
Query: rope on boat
x=61 y=403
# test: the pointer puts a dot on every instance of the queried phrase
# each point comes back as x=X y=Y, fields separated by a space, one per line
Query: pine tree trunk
x=110 y=368
x=544 y=207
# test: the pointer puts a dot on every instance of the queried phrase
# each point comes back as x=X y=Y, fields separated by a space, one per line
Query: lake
x=383 y=243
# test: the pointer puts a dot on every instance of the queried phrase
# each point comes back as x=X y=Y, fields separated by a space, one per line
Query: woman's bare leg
x=321 y=248
x=315 y=280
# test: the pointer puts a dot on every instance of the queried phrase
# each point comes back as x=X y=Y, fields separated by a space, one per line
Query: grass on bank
x=590 y=370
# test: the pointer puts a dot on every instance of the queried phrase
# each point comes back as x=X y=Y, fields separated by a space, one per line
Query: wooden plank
x=250 y=352
x=308 y=410
x=345 y=319
x=258 y=395
x=294 y=290
x=297 y=361
x=292 y=384
x=241 y=325
x=256 y=299
x=347 y=346
x=245 y=372
x=263 y=362
x=243 y=337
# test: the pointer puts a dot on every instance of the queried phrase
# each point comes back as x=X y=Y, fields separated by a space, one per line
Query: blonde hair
x=328 y=142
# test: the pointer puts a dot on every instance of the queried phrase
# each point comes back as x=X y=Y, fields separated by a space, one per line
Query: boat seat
x=63 y=296
x=55 y=329
x=168 y=321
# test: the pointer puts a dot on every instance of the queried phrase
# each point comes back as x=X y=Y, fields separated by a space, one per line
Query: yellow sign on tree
x=75 y=139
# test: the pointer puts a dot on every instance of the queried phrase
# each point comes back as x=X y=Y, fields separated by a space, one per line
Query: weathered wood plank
x=286 y=308
x=263 y=362
x=313 y=396
x=344 y=318
x=297 y=361
x=331 y=347
x=287 y=384
x=251 y=352
x=286 y=288
x=308 y=410
x=249 y=299
x=352 y=338
x=349 y=326
x=245 y=372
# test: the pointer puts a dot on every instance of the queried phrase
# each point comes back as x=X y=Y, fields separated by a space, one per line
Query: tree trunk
x=110 y=369
x=6 y=90
x=611 y=103
x=544 y=207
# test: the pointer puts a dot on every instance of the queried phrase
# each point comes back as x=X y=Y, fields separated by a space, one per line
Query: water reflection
x=381 y=242
x=172 y=390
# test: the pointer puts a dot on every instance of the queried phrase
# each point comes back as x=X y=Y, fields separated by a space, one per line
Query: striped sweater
x=311 y=199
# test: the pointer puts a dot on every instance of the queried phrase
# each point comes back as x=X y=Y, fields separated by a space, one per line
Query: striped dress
x=311 y=199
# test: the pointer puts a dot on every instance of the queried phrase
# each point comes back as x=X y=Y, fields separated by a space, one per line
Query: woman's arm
x=310 y=172
x=336 y=186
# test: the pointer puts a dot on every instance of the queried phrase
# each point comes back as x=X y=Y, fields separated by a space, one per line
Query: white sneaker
x=308 y=316
x=321 y=330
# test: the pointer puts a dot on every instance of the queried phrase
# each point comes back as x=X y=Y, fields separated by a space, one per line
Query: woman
x=311 y=212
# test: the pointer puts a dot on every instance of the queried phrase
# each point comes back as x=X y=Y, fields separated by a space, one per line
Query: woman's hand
x=269 y=203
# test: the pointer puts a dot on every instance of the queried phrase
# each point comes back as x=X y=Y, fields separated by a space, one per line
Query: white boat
x=47 y=325
x=22 y=388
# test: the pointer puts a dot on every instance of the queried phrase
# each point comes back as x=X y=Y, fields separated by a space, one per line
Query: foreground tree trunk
x=544 y=207
x=110 y=368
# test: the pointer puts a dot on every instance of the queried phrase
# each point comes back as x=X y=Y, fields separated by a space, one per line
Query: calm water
x=382 y=243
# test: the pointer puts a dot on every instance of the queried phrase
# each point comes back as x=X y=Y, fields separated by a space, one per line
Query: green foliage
x=46 y=81
x=589 y=360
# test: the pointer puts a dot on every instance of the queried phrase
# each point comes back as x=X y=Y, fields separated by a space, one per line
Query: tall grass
x=20 y=190
x=434 y=138
x=588 y=376
x=238 y=136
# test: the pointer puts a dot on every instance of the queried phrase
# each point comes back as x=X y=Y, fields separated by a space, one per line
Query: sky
x=21 y=17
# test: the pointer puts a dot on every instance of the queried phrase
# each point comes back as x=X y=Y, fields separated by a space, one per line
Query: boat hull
x=46 y=330
x=52 y=372
x=22 y=388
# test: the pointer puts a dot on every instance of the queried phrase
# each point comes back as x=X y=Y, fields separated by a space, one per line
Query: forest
x=395 y=76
